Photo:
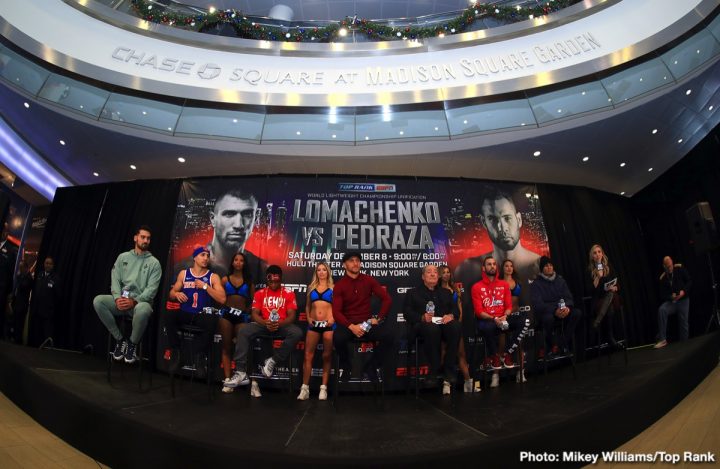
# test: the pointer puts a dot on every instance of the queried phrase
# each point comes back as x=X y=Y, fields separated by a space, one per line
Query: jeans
x=682 y=308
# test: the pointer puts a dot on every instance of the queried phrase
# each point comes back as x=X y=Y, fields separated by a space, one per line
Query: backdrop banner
x=399 y=226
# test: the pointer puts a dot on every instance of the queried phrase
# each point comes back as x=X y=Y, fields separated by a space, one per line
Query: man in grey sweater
x=134 y=282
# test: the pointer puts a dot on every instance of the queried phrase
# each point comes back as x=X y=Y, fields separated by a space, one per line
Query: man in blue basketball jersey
x=195 y=289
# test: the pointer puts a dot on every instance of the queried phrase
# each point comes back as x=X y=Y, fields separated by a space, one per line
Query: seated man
x=195 y=289
x=351 y=309
x=553 y=302
x=492 y=302
x=134 y=281
x=273 y=313
x=429 y=312
x=675 y=286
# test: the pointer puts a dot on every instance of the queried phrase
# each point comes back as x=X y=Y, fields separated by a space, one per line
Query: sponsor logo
x=403 y=289
x=365 y=187
x=366 y=347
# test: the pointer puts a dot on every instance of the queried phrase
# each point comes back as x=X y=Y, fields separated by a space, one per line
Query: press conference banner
x=399 y=225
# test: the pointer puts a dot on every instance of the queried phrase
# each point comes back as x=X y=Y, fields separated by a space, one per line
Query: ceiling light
x=622 y=165
x=234 y=121
x=144 y=113
x=710 y=108
x=96 y=174
x=640 y=78
x=170 y=129
x=654 y=131
x=649 y=170
x=622 y=193
x=438 y=128
x=687 y=93
x=528 y=195
x=298 y=133
x=62 y=142
x=334 y=136
x=465 y=121
x=342 y=32
x=132 y=166
x=402 y=132
x=27 y=105
x=680 y=140
x=537 y=153
x=367 y=138
x=181 y=159
x=559 y=110
x=586 y=158
x=211 y=10
x=82 y=107
x=583 y=93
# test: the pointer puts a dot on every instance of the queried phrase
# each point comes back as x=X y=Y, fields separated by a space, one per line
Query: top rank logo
x=365 y=187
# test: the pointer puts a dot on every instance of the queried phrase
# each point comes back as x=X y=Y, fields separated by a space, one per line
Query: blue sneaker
x=119 y=352
x=130 y=356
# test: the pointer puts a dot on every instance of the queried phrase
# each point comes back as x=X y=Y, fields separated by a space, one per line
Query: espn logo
x=410 y=371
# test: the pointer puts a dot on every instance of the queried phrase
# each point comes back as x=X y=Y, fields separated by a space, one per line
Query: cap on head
x=350 y=255
x=199 y=250
x=544 y=260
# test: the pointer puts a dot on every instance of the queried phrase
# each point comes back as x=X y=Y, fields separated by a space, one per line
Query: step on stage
x=605 y=406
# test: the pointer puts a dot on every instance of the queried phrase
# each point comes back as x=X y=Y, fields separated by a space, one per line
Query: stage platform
x=605 y=406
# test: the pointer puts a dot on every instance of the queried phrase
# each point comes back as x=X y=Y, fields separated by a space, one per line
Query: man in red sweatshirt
x=351 y=310
x=493 y=307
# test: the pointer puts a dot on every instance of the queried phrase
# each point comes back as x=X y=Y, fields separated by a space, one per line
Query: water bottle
x=366 y=326
x=125 y=293
x=505 y=325
x=561 y=303
x=430 y=308
x=274 y=315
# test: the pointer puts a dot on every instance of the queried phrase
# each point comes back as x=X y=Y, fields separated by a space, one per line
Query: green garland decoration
x=246 y=28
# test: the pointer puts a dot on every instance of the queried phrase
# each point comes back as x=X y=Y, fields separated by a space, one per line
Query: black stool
x=620 y=311
x=251 y=361
x=194 y=330
x=571 y=350
x=125 y=323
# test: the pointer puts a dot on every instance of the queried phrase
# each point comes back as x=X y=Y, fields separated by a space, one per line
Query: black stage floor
x=605 y=406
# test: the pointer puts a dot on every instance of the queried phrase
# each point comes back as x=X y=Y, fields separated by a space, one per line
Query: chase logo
x=365 y=187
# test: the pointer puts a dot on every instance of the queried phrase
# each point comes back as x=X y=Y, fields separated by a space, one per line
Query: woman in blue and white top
x=321 y=324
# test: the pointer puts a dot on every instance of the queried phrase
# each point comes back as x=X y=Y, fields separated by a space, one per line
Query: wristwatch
x=205 y=286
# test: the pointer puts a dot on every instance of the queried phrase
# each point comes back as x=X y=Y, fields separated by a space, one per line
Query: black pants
x=382 y=333
x=548 y=322
x=433 y=335
x=489 y=330
x=174 y=318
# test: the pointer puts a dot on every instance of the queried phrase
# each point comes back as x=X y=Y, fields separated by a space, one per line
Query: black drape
x=575 y=219
x=87 y=228
x=661 y=208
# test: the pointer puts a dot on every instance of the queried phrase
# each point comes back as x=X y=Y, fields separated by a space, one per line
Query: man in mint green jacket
x=134 y=282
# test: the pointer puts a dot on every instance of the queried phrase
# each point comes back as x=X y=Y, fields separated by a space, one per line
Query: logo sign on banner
x=398 y=225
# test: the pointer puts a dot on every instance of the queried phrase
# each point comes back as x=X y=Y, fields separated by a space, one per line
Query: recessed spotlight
x=522 y=124
x=586 y=158
x=680 y=140
x=537 y=153
x=583 y=93
x=144 y=113
x=82 y=107
x=132 y=166
x=654 y=131
x=649 y=170
x=27 y=105
x=62 y=142
x=367 y=138
x=96 y=174
x=298 y=133
x=465 y=121
x=170 y=129
x=675 y=62
x=181 y=159
x=711 y=108
x=641 y=79
x=334 y=136
x=622 y=165
x=687 y=93
x=402 y=132
x=234 y=121
x=438 y=128
x=559 y=111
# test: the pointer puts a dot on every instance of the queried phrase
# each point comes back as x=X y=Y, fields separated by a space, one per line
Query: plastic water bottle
x=274 y=315
x=125 y=293
x=366 y=326
x=561 y=303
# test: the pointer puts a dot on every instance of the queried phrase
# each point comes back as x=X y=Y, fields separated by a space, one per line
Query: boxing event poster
x=399 y=225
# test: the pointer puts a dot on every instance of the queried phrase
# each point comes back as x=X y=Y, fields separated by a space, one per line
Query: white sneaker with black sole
x=323 y=393
x=304 y=393
x=239 y=378
x=268 y=367
x=255 y=390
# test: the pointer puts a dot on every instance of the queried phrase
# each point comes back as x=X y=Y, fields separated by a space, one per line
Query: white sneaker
x=446 y=388
x=227 y=389
x=495 y=381
x=239 y=378
x=304 y=393
x=268 y=367
x=468 y=386
x=520 y=377
x=660 y=344
x=255 y=390
x=477 y=386
x=323 y=393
